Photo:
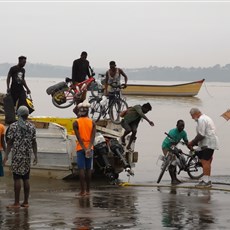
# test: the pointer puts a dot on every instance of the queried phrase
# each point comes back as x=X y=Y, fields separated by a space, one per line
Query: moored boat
x=183 y=90
x=57 y=155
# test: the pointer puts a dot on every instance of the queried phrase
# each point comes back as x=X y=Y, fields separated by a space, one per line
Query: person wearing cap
x=130 y=122
x=2 y=148
x=16 y=83
x=113 y=76
x=80 y=70
x=85 y=130
x=21 y=143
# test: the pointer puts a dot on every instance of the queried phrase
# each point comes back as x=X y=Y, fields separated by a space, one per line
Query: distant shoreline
x=215 y=73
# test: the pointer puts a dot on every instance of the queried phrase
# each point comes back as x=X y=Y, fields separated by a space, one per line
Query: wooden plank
x=109 y=131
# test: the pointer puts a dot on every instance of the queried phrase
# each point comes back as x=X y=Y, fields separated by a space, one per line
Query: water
x=54 y=205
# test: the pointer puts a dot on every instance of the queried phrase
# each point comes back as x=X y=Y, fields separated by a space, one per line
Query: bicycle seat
x=67 y=80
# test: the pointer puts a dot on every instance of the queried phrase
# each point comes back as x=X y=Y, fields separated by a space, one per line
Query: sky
x=135 y=34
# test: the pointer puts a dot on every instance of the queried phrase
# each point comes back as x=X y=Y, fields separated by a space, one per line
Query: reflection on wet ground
x=54 y=205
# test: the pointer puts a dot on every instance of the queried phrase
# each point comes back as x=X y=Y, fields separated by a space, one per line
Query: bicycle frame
x=82 y=86
x=71 y=93
x=116 y=96
x=78 y=88
x=189 y=164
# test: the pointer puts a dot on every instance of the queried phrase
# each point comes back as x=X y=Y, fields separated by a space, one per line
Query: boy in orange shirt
x=85 y=130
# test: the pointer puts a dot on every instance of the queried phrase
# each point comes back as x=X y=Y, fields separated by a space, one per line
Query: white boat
x=57 y=156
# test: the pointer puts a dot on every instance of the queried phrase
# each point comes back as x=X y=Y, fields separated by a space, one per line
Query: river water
x=53 y=204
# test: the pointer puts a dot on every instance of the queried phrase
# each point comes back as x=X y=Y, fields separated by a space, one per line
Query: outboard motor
x=118 y=151
x=101 y=156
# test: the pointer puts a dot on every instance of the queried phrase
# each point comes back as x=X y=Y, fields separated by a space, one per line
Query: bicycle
x=97 y=88
x=100 y=106
x=186 y=162
x=65 y=94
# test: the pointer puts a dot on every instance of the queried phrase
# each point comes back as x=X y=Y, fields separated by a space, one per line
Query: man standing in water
x=16 y=77
x=21 y=143
x=207 y=142
x=85 y=130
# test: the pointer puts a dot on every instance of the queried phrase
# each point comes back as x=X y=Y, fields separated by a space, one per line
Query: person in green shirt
x=131 y=121
x=177 y=134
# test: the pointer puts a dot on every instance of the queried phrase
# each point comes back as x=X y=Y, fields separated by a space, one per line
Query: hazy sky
x=134 y=34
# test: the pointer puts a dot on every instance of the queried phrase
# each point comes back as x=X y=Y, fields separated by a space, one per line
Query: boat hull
x=183 y=90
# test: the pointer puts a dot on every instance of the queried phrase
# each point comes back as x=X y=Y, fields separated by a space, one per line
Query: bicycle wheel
x=165 y=165
x=63 y=98
x=195 y=169
x=95 y=109
x=96 y=89
x=116 y=108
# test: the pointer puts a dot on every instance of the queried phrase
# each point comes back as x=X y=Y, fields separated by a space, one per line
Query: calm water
x=53 y=205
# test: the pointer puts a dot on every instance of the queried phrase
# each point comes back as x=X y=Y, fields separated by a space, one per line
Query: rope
x=207 y=90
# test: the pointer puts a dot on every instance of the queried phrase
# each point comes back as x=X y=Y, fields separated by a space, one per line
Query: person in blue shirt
x=177 y=134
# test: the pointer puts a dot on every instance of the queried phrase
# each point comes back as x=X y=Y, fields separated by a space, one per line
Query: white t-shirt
x=206 y=128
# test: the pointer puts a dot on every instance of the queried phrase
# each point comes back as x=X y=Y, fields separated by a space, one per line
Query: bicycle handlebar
x=101 y=75
x=117 y=86
x=171 y=138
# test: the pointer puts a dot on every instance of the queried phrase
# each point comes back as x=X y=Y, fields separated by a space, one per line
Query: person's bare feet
x=13 y=206
x=81 y=194
x=25 y=205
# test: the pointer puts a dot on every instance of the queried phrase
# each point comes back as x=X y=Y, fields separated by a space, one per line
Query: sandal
x=130 y=150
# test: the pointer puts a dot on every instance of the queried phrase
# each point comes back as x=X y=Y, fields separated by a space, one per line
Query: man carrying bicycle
x=113 y=77
x=80 y=70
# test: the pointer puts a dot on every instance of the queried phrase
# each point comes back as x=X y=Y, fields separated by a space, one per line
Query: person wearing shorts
x=85 y=130
x=21 y=144
x=207 y=141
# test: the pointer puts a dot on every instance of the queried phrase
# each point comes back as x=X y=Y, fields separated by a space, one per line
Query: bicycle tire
x=95 y=90
x=195 y=169
x=95 y=109
x=116 y=108
x=167 y=162
x=64 y=94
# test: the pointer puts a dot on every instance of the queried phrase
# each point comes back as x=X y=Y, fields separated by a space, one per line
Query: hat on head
x=22 y=111
x=84 y=104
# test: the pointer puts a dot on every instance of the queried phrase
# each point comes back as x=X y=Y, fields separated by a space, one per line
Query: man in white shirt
x=207 y=141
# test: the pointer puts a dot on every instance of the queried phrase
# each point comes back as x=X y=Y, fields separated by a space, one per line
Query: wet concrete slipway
x=54 y=205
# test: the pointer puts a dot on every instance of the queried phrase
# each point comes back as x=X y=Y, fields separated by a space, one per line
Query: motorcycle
x=186 y=162
x=105 y=153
